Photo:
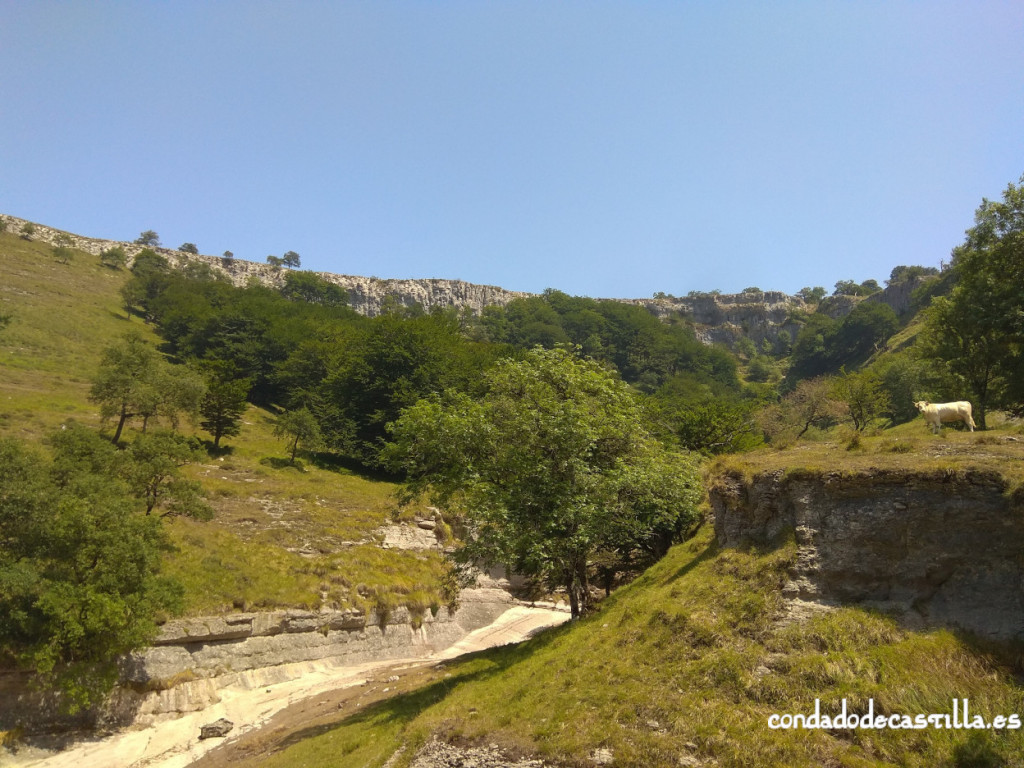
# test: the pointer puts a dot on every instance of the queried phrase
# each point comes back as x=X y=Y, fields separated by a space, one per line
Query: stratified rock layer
x=936 y=548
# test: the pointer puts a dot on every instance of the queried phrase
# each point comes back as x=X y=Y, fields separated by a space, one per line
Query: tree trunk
x=120 y=423
x=295 y=448
x=578 y=588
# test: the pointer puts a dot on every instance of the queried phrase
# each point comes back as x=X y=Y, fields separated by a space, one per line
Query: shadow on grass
x=709 y=552
x=332 y=462
x=217 y=451
x=277 y=462
x=403 y=709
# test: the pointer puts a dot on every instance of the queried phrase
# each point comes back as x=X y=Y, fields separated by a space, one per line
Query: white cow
x=937 y=413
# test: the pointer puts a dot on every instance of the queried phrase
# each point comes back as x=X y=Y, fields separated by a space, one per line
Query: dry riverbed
x=268 y=716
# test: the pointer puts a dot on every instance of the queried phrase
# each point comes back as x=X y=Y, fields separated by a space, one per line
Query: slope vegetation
x=685 y=667
x=281 y=536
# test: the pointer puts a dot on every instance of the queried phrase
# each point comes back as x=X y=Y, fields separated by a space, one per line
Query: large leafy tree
x=390 y=366
x=977 y=331
x=125 y=379
x=300 y=428
x=223 y=406
x=134 y=380
x=549 y=469
x=79 y=567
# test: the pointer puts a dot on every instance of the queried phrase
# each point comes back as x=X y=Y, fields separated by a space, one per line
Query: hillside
x=281 y=536
x=685 y=666
x=718 y=318
x=762 y=613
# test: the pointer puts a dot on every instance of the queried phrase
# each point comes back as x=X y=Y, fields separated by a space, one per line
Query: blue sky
x=604 y=149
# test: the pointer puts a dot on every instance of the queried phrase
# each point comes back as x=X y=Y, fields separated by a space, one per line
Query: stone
x=217 y=729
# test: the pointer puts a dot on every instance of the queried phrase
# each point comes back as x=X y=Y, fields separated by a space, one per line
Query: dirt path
x=322 y=687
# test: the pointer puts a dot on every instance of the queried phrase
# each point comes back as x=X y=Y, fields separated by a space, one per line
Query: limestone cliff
x=193 y=659
x=723 y=318
x=717 y=318
x=935 y=548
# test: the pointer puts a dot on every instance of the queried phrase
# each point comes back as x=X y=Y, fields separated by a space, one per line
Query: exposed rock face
x=438 y=754
x=725 y=318
x=416 y=537
x=193 y=659
x=900 y=295
x=935 y=548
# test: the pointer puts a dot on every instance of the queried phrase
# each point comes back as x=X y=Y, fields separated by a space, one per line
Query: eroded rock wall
x=193 y=659
x=936 y=548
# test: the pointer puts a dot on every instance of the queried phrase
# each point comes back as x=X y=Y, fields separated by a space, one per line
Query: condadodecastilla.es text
x=959 y=717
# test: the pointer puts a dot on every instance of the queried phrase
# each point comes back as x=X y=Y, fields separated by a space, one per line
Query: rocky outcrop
x=439 y=754
x=936 y=548
x=193 y=659
x=900 y=296
x=725 y=318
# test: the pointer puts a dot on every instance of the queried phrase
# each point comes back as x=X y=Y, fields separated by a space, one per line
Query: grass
x=691 y=660
x=282 y=536
x=63 y=315
x=907 y=448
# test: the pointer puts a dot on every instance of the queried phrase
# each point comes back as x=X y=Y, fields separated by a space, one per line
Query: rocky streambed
x=246 y=667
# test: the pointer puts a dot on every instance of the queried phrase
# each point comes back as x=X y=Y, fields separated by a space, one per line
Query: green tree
x=301 y=428
x=223 y=406
x=114 y=258
x=810 y=404
x=812 y=295
x=975 y=332
x=307 y=286
x=862 y=332
x=124 y=380
x=150 y=272
x=813 y=346
x=864 y=395
x=27 y=230
x=152 y=470
x=904 y=378
x=80 y=582
x=148 y=238
x=62 y=248
x=905 y=273
x=188 y=248
x=715 y=426
x=550 y=468
x=170 y=392
x=291 y=260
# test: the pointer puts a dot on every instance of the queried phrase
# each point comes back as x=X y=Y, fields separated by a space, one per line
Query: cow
x=937 y=413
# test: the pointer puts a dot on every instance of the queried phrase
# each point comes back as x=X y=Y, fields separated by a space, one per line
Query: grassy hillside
x=281 y=536
x=685 y=667
x=62 y=317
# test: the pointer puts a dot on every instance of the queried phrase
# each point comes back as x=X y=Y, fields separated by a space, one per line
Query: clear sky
x=604 y=149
